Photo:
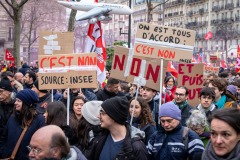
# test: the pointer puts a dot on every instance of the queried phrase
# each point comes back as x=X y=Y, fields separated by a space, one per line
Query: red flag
x=95 y=43
x=8 y=56
x=208 y=36
x=172 y=70
x=223 y=64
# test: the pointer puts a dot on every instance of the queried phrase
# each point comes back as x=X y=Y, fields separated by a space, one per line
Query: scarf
x=221 y=102
x=181 y=106
x=209 y=153
x=168 y=88
x=211 y=108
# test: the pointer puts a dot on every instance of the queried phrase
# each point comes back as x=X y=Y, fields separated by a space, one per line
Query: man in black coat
x=111 y=90
x=119 y=141
x=6 y=102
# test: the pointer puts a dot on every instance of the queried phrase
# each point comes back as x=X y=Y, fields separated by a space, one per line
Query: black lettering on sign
x=81 y=79
x=185 y=60
x=144 y=27
x=52 y=80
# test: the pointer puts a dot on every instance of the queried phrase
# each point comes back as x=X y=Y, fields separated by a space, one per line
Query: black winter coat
x=105 y=94
x=133 y=148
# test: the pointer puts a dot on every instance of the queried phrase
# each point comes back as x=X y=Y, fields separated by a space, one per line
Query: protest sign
x=55 y=43
x=209 y=70
x=191 y=76
x=67 y=71
x=165 y=42
x=122 y=62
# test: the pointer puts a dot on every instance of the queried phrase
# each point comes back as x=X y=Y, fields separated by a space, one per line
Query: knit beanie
x=27 y=96
x=90 y=111
x=36 y=85
x=232 y=89
x=117 y=108
x=6 y=84
x=170 y=110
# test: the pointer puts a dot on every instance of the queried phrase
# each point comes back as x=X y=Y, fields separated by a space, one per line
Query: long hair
x=26 y=115
x=74 y=99
x=83 y=133
x=146 y=115
x=57 y=114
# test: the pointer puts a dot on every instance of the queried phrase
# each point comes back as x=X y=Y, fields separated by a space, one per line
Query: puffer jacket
x=133 y=146
x=169 y=145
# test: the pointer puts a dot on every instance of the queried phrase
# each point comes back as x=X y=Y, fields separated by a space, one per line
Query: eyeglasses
x=179 y=94
x=167 y=121
x=34 y=150
x=102 y=112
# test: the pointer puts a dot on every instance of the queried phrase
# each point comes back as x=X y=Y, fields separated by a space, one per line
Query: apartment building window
x=10 y=34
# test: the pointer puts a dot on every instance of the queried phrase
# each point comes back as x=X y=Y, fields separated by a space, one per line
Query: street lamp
x=122 y=23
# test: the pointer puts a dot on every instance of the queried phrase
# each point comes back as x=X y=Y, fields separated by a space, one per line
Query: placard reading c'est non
x=169 y=43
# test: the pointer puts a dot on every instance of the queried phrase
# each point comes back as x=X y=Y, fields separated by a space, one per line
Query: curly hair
x=146 y=115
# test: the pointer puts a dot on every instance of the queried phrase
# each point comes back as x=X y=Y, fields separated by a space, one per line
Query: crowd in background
x=112 y=122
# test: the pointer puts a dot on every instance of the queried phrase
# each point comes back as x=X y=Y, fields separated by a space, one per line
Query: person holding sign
x=170 y=85
x=180 y=99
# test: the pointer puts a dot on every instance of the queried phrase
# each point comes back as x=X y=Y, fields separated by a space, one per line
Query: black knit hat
x=28 y=97
x=117 y=108
x=36 y=85
x=6 y=84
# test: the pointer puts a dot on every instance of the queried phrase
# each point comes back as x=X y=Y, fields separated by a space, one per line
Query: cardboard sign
x=56 y=43
x=67 y=70
x=169 y=43
x=209 y=70
x=122 y=62
x=191 y=76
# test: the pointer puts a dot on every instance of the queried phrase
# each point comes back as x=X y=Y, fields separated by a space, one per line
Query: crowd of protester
x=112 y=122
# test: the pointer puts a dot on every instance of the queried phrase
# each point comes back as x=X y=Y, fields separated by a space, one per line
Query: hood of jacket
x=25 y=65
x=135 y=132
x=75 y=153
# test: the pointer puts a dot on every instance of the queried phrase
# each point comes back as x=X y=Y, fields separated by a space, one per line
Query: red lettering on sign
x=136 y=63
x=60 y=61
x=41 y=62
x=166 y=54
x=153 y=72
x=86 y=60
x=119 y=62
x=69 y=60
x=140 y=48
x=194 y=93
x=180 y=68
x=190 y=67
x=52 y=64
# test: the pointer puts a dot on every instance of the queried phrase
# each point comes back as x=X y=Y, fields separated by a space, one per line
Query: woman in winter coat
x=142 y=117
x=225 y=135
x=24 y=114
x=56 y=114
x=89 y=126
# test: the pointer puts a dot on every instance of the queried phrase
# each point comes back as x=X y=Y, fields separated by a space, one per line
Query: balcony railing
x=229 y=6
x=215 y=8
x=201 y=11
x=170 y=4
x=190 y=13
x=193 y=1
x=175 y=13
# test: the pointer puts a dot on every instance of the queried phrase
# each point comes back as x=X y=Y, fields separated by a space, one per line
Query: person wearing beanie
x=24 y=114
x=117 y=141
x=6 y=102
x=231 y=101
x=44 y=98
x=89 y=126
x=171 y=141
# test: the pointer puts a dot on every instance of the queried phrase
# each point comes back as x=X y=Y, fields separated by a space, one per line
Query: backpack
x=185 y=138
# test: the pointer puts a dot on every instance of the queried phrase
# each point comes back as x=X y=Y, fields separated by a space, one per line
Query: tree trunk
x=17 y=32
x=71 y=21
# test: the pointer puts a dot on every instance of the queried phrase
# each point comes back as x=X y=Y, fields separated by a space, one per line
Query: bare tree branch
x=9 y=4
x=159 y=5
x=22 y=3
x=6 y=10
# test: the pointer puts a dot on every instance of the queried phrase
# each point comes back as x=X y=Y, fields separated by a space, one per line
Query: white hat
x=90 y=111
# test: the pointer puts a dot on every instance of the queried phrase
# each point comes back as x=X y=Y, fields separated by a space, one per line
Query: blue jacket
x=169 y=145
x=11 y=134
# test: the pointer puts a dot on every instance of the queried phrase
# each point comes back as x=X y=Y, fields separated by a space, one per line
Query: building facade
x=37 y=16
